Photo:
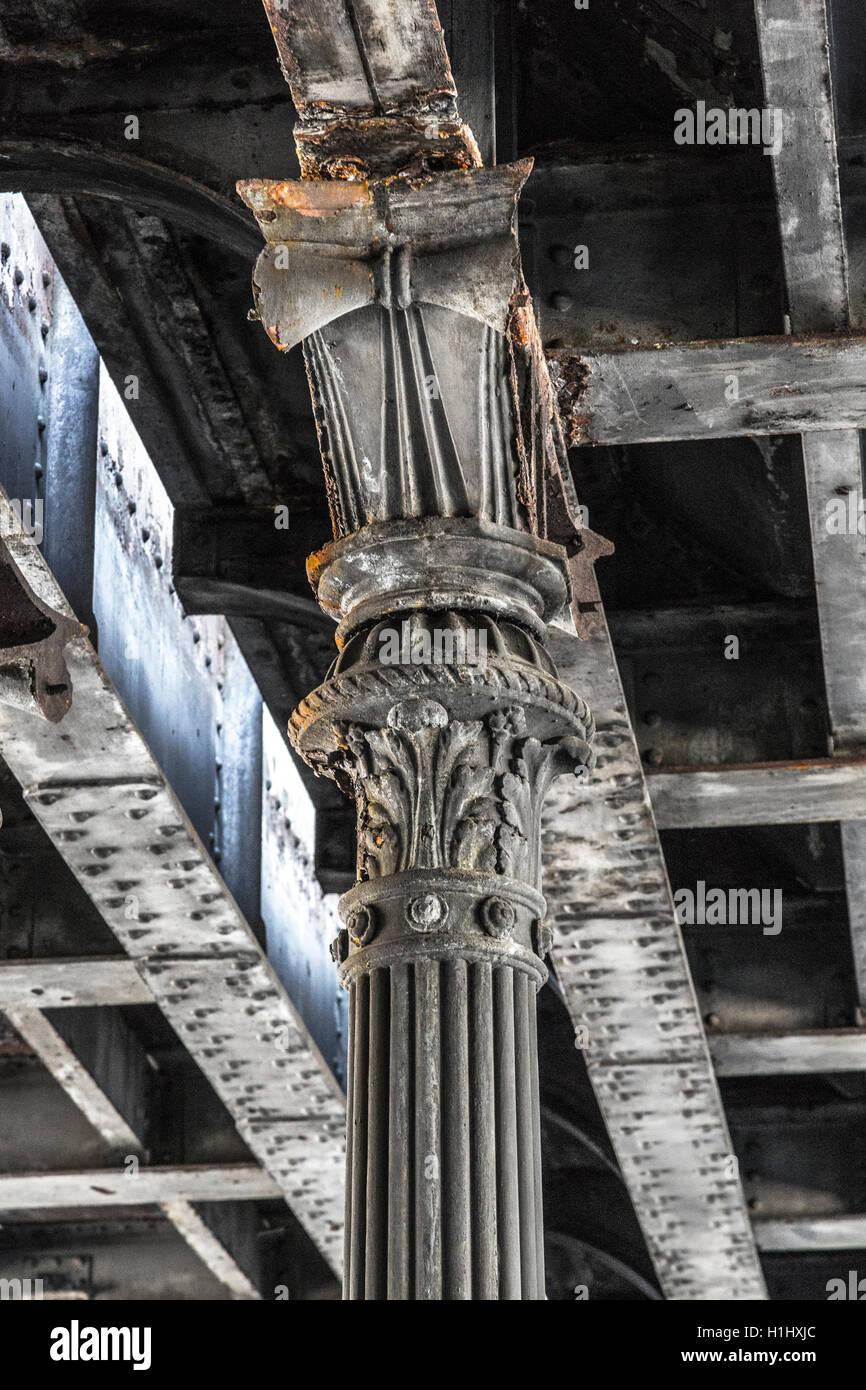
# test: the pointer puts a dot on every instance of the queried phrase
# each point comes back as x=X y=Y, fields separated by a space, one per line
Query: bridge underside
x=174 y=1041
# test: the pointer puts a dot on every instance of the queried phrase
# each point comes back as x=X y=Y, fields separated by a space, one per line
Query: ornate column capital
x=442 y=714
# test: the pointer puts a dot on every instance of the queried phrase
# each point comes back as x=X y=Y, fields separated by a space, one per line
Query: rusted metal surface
x=411 y=50
x=571 y=376
x=442 y=937
x=329 y=248
x=373 y=89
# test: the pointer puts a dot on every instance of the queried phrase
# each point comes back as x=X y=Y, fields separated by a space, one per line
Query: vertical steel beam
x=795 y=56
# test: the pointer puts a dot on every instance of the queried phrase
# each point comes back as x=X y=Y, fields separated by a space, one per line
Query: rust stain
x=408 y=147
x=310 y=199
x=315 y=564
x=570 y=377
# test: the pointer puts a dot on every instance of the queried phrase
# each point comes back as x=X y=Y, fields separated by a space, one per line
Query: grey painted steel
x=795 y=59
x=834 y=469
x=111 y=790
x=708 y=390
x=785 y=793
x=645 y=629
x=59 y=984
x=470 y=42
x=789 y=1054
x=191 y=944
x=75 y=1079
x=796 y=63
x=198 y=1234
x=298 y=920
x=70 y=453
x=115 y=1188
x=126 y=1259
x=88 y=1094
x=620 y=960
x=188 y=687
x=813 y=1233
x=854 y=850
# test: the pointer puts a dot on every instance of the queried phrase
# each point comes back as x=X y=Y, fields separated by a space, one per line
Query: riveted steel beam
x=192 y=947
x=59 y=984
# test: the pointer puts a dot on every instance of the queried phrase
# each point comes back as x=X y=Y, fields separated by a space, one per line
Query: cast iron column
x=442 y=714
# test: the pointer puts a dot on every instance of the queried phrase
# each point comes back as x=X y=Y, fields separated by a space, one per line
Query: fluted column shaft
x=443 y=1193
